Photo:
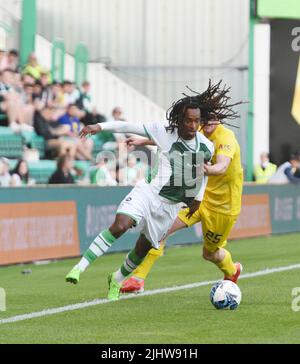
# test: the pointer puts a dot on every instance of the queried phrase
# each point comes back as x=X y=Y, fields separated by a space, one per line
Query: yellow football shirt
x=223 y=193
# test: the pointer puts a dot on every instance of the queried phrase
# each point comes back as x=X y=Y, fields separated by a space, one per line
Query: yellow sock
x=227 y=266
x=143 y=269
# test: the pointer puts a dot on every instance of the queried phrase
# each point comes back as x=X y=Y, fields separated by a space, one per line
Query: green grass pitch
x=186 y=316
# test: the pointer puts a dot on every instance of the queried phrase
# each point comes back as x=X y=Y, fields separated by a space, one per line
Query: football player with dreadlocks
x=221 y=204
x=154 y=204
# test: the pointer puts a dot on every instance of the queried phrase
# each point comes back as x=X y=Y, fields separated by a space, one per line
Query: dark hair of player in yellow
x=214 y=104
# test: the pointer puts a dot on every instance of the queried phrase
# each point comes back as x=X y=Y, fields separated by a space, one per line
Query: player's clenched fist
x=90 y=130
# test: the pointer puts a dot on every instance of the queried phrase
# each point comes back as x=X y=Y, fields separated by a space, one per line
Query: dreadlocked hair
x=175 y=114
x=214 y=104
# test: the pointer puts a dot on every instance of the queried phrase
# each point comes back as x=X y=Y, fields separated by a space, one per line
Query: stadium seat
x=11 y=145
x=41 y=171
x=35 y=141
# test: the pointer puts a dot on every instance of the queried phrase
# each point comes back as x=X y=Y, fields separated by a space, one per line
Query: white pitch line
x=79 y=306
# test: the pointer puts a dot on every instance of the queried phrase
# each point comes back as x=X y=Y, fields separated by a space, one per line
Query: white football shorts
x=153 y=214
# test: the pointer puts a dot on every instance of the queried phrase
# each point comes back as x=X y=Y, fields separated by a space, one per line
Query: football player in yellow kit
x=219 y=209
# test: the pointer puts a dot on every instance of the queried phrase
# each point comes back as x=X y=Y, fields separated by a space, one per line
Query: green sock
x=98 y=247
x=130 y=264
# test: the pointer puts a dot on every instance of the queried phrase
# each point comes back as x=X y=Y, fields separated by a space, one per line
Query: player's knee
x=121 y=224
x=207 y=255
x=119 y=228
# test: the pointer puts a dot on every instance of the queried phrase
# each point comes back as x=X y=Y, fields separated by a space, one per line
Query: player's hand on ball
x=90 y=130
x=195 y=205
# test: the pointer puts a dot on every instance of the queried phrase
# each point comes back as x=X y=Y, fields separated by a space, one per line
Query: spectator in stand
x=37 y=96
x=57 y=99
x=118 y=138
x=46 y=126
x=100 y=174
x=117 y=115
x=136 y=170
x=63 y=174
x=11 y=103
x=84 y=103
x=46 y=89
x=71 y=119
x=27 y=79
x=34 y=69
x=13 y=60
x=71 y=93
x=45 y=80
x=5 y=177
x=20 y=175
x=286 y=172
x=264 y=170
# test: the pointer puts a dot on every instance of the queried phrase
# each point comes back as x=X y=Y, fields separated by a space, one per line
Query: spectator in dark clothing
x=286 y=172
x=53 y=133
x=63 y=173
x=293 y=175
x=297 y=173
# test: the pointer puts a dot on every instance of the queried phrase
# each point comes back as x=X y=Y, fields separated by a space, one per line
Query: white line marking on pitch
x=79 y=306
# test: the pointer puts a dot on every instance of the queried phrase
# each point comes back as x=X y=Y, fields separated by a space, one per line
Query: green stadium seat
x=38 y=142
x=83 y=165
x=4 y=130
x=11 y=145
x=41 y=171
x=35 y=141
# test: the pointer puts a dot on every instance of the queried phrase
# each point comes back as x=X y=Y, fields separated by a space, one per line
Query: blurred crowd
x=31 y=101
x=267 y=172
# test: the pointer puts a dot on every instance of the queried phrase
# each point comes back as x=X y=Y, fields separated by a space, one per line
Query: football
x=225 y=294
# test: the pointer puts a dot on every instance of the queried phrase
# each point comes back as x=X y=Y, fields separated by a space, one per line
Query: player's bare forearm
x=137 y=142
x=90 y=130
x=218 y=168
x=215 y=170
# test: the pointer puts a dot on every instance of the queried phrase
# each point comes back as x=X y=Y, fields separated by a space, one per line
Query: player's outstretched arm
x=113 y=127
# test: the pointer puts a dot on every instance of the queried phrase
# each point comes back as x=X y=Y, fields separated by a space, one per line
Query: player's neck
x=187 y=139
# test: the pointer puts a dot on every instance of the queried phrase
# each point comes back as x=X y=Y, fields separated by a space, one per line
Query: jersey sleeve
x=123 y=127
x=156 y=132
x=211 y=148
x=226 y=146
x=200 y=195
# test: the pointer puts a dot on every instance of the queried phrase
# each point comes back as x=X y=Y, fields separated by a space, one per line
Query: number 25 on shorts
x=212 y=237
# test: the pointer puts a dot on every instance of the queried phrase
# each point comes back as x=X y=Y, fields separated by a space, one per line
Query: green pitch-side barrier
x=266 y=210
